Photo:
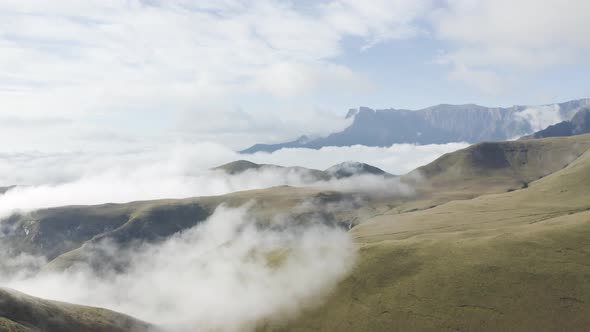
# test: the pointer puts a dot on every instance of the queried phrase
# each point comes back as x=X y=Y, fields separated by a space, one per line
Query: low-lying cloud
x=50 y=180
x=225 y=274
x=228 y=273
x=396 y=159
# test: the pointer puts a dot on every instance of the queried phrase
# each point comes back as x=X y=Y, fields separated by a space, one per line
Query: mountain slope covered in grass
x=495 y=236
x=508 y=261
x=23 y=313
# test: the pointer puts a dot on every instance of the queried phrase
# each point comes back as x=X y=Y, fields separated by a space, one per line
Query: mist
x=231 y=272
x=228 y=273
x=82 y=178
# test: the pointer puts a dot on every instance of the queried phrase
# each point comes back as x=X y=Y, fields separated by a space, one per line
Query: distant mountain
x=352 y=168
x=578 y=125
x=240 y=166
x=342 y=170
x=437 y=125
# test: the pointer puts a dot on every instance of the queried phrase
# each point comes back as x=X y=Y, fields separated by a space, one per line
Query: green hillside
x=496 y=237
x=23 y=313
x=513 y=261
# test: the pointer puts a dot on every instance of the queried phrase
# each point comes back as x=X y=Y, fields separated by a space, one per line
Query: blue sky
x=102 y=74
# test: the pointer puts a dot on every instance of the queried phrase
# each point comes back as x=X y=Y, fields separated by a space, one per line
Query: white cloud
x=396 y=159
x=58 y=179
x=513 y=35
x=292 y=79
x=541 y=117
x=486 y=81
x=232 y=274
x=74 y=60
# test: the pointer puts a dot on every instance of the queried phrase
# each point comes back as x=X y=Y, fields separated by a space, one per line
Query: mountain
x=505 y=261
x=578 y=125
x=65 y=235
x=68 y=235
x=437 y=125
x=495 y=237
x=342 y=170
x=352 y=168
x=240 y=166
x=514 y=163
x=23 y=313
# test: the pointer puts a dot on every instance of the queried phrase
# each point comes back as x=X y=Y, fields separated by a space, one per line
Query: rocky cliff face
x=438 y=125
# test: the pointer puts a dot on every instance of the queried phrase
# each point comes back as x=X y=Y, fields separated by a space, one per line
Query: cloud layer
x=493 y=38
x=231 y=276
x=183 y=171
x=105 y=65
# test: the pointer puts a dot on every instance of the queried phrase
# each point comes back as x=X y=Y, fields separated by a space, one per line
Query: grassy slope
x=463 y=174
x=517 y=261
x=156 y=220
x=20 y=312
x=487 y=168
x=494 y=262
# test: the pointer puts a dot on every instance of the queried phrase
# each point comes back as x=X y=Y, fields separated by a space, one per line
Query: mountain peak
x=238 y=166
x=351 y=168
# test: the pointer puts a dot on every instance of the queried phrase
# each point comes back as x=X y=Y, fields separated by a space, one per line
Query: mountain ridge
x=438 y=124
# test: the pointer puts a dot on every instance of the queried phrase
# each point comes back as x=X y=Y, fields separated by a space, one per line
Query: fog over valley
x=294 y=166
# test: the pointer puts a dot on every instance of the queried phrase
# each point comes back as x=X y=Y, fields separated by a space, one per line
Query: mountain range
x=436 y=125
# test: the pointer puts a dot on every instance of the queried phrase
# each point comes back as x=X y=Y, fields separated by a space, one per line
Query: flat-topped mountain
x=437 y=125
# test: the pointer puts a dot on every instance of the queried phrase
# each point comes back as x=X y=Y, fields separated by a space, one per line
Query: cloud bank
x=494 y=39
x=231 y=276
x=184 y=171
x=100 y=66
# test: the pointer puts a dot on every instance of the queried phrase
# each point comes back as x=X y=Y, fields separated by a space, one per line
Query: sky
x=105 y=75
